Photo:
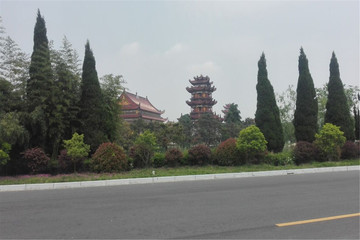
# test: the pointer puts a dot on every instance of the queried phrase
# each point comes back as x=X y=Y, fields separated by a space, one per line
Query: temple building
x=134 y=107
x=201 y=100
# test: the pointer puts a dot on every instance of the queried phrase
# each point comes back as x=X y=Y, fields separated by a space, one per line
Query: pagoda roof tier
x=204 y=102
x=201 y=89
x=200 y=80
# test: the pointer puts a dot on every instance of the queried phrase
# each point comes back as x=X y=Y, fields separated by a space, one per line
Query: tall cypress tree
x=267 y=116
x=305 y=116
x=91 y=103
x=39 y=88
x=337 y=108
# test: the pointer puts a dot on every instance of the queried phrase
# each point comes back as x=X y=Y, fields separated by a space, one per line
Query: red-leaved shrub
x=173 y=157
x=109 y=157
x=349 y=150
x=64 y=162
x=37 y=160
x=227 y=154
x=305 y=152
x=199 y=155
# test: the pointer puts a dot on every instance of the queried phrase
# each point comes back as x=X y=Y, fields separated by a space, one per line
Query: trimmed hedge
x=37 y=160
x=227 y=154
x=305 y=152
x=173 y=157
x=349 y=150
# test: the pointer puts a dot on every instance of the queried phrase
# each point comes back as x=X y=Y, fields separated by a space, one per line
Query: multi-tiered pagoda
x=201 y=100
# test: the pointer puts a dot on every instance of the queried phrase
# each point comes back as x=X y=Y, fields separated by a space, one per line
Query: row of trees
x=49 y=97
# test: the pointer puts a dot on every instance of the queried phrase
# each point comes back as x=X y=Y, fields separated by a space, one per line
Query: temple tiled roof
x=137 y=102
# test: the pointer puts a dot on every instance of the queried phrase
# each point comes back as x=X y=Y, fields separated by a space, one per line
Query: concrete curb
x=129 y=181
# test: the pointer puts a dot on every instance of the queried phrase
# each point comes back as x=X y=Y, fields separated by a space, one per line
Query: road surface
x=213 y=209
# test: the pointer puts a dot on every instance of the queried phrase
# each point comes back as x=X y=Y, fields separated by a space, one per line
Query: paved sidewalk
x=116 y=182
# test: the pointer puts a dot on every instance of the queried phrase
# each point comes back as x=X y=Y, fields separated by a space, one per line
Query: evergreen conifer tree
x=91 y=103
x=337 y=109
x=267 y=116
x=305 y=116
x=40 y=86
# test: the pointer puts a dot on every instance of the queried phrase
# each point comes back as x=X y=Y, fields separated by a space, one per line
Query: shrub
x=65 y=163
x=4 y=153
x=329 y=141
x=199 y=155
x=76 y=149
x=305 y=152
x=279 y=159
x=143 y=150
x=173 y=157
x=158 y=160
x=109 y=157
x=251 y=144
x=37 y=160
x=349 y=150
x=227 y=154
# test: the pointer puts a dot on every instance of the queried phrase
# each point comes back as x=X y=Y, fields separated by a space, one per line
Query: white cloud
x=207 y=68
x=177 y=48
x=130 y=49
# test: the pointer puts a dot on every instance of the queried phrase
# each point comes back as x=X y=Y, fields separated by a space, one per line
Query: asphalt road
x=213 y=209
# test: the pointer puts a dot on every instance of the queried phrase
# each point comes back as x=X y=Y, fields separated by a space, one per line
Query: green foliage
x=207 y=130
x=92 y=111
x=305 y=116
x=350 y=150
x=40 y=87
x=337 y=108
x=112 y=87
x=158 y=160
x=144 y=148
x=199 y=155
x=109 y=157
x=279 y=159
x=232 y=114
x=186 y=128
x=251 y=144
x=267 y=116
x=173 y=157
x=37 y=160
x=330 y=140
x=76 y=148
x=4 y=153
x=305 y=152
x=227 y=154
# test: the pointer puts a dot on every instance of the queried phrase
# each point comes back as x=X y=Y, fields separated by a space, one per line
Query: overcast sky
x=159 y=45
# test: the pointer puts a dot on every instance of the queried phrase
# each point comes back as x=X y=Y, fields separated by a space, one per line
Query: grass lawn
x=162 y=172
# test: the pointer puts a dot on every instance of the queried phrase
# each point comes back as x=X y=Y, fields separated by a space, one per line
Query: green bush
x=158 y=160
x=251 y=144
x=349 y=150
x=4 y=153
x=305 y=152
x=76 y=149
x=330 y=141
x=143 y=150
x=109 y=157
x=173 y=157
x=37 y=160
x=279 y=159
x=199 y=155
x=185 y=159
x=227 y=154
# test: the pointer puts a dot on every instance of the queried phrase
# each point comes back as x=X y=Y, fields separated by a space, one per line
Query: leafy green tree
x=251 y=143
x=91 y=104
x=76 y=149
x=330 y=140
x=286 y=102
x=144 y=149
x=207 y=130
x=40 y=88
x=186 y=125
x=305 y=116
x=337 y=108
x=112 y=87
x=267 y=116
x=232 y=119
x=232 y=114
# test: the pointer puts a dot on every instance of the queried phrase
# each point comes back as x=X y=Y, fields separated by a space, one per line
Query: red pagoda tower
x=201 y=100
